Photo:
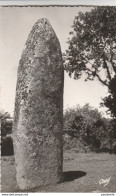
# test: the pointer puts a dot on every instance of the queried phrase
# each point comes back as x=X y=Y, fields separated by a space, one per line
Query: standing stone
x=38 y=117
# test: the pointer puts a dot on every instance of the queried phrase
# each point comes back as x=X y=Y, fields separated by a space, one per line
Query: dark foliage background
x=6 y=134
x=86 y=130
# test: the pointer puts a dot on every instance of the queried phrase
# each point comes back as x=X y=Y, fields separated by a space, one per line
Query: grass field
x=82 y=173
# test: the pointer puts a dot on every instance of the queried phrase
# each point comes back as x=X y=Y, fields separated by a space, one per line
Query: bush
x=6 y=131
x=7 y=146
x=6 y=123
x=88 y=129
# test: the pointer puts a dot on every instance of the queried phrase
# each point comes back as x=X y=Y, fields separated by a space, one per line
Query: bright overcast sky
x=15 y=25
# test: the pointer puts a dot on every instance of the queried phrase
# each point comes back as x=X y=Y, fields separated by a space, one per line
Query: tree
x=6 y=123
x=92 y=49
x=110 y=100
x=87 y=129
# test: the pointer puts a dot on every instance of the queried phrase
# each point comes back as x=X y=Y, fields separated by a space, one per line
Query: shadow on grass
x=72 y=175
x=67 y=177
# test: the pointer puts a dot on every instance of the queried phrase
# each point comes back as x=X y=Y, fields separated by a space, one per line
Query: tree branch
x=99 y=78
x=102 y=81
x=106 y=66
x=111 y=59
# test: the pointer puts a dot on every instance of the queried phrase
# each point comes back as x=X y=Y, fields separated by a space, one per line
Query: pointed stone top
x=42 y=29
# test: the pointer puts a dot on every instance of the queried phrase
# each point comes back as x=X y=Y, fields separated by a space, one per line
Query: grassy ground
x=82 y=173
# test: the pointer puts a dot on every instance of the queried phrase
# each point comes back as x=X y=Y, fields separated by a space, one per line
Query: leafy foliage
x=7 y=146
x=6 y=136
x=92 y=49
x=86 y=127
x=110 y=100
x=6 y=123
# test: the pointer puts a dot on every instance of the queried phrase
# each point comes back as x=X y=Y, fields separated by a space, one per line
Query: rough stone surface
x=38 y=117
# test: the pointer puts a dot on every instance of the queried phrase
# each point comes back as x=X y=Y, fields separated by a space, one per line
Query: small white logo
x=104 y=182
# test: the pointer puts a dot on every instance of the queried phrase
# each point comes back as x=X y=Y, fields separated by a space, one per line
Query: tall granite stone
x=38 y=117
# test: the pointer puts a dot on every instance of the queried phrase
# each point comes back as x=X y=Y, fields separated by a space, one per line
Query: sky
x=15 y=26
